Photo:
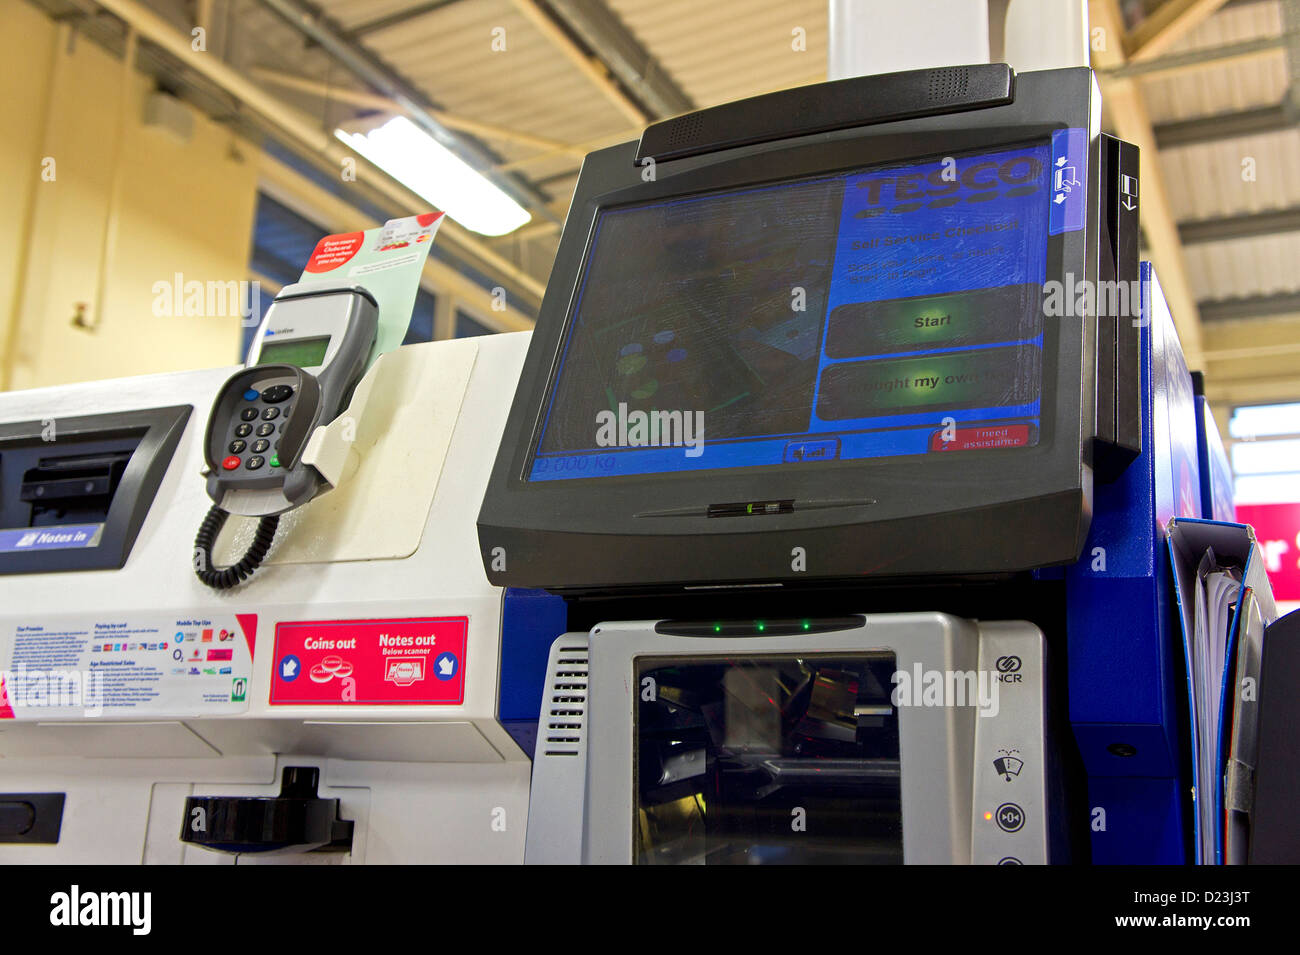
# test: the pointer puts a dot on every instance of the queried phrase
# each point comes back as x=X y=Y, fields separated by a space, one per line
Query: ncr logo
x=120 y=909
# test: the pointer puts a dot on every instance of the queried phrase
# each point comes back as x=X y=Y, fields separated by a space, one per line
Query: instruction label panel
x=151 y=665
x=414 y=661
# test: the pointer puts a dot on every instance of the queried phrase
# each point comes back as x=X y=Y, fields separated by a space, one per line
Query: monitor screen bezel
x=869 y=517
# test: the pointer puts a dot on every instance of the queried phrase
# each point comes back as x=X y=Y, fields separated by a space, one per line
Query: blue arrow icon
x=445 y=667
x=289 y=667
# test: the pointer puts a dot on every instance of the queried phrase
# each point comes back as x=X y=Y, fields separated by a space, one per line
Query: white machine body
x=385 y=567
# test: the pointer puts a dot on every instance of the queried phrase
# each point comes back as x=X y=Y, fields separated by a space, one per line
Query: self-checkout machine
x=851 y=489
x=169 y=700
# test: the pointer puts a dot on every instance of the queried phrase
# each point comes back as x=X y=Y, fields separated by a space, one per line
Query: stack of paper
x=1216 y=593
x=1225 y=603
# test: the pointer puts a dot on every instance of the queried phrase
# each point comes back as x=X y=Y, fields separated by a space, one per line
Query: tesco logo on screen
x=951 y=182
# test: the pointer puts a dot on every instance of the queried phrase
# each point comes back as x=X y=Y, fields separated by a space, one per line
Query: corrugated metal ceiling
x=527 y=87
x=1235 y=176
x=1220 y=87
x=721 y=51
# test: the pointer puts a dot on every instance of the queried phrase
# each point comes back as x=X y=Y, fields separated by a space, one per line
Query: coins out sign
x=409 y=661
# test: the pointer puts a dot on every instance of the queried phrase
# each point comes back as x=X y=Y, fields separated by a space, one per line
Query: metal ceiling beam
x=562 y=176
x=1196 y=59
x=581 y=149
x=1265 y=340
x=1253 y=352
x=534 y=230
x=318 y=28
x=303 y=132
x=1124 y=103
x=398 y=18
x=1165 y=25
x=1252 y=359
x=1291 y=37
x=1245 y=226
x=605 y=34
x=1211 y=129
x=1253 y=306
x=363 y=99
x=591 y=67
x=1246 y=122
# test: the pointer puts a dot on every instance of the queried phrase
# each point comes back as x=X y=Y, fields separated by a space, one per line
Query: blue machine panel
x=1124 y=650
x=530 y=622
x=1216 y=472
x=1144 y=820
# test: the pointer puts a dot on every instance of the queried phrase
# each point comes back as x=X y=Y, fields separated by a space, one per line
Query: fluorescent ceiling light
x=1257 y=421
x=434 y=172
x=1279 y=456
x=1266 y=488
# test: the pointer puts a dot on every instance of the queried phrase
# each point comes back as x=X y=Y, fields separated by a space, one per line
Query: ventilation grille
x=948 y=83
x=566 y=703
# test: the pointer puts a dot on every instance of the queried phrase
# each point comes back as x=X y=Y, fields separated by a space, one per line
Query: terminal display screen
x=300 y=352
x=891 y=310
x=729 y=752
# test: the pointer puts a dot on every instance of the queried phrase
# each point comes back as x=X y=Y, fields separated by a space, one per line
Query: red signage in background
x=1277 y=530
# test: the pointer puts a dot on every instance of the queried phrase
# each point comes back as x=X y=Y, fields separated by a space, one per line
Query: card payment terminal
x=303 y=364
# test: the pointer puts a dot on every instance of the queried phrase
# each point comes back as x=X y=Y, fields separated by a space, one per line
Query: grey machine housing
x=319 y=398
x=582 y=799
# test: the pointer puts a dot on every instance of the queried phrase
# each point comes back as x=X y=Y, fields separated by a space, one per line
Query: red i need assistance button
x=972 y=439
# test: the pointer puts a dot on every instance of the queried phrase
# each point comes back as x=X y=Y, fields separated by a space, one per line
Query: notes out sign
x=411 y=661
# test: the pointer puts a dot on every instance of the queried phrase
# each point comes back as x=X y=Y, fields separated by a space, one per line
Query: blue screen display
x=894 y=310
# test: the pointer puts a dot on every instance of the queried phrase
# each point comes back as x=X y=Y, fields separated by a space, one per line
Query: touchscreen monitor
x=890 y=310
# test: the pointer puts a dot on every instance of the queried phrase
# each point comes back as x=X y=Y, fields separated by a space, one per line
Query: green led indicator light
x=807 y=625
x=717 y=628
x=760 y=626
